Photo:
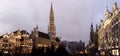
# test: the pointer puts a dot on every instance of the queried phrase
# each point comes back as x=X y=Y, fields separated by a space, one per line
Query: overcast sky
x=72 y=17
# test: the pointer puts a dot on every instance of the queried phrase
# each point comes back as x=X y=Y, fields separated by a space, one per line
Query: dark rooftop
x=43 y=35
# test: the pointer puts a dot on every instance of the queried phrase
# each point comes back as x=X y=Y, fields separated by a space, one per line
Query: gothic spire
x=96 y=28
x=51 y=9
x=92 y=30
x=91 y=25
x=91 y=33
x=51 y=27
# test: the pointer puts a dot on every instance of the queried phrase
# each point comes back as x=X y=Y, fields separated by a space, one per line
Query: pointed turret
x=92 y=30
x=36 y=31
x=12 y=34
x=36 y=27
x=101 y=20
x=107 y=8
x=91 y=33
x=115 y=6
x=18 y=32
x=101 y=23
x=107 y=14
x=96 y=32
x=107 y=11
x=96 y=27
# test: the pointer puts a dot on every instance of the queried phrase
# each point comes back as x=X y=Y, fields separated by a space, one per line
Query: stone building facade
x=16 y=42
x=22 y=42
x=109 y=32
x=41 y=39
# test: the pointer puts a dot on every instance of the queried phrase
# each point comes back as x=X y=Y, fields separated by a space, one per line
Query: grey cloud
x=72 y=17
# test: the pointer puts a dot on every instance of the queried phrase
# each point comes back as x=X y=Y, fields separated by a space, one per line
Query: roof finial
x=91 y=24
x=115 y=3
x=36 y=26
x=18 y=28
x=101 y=20
x=107 y=8
x=115 y=6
